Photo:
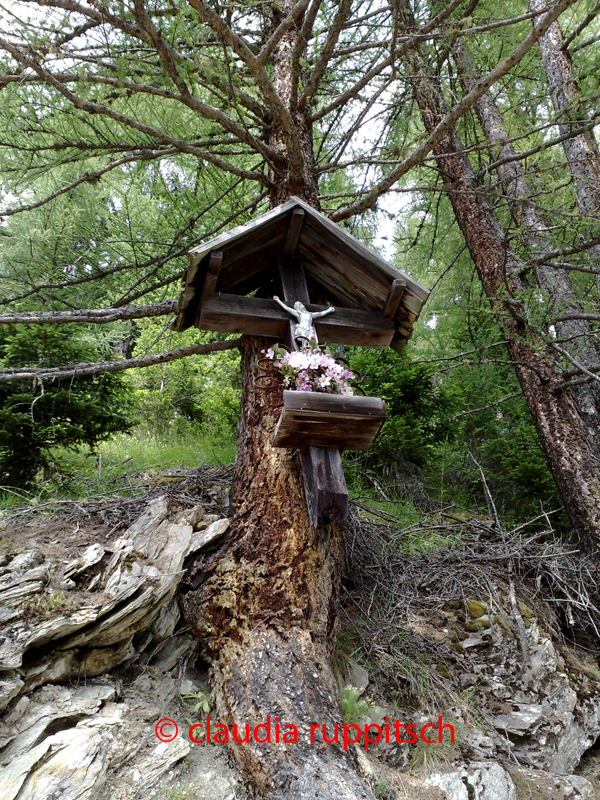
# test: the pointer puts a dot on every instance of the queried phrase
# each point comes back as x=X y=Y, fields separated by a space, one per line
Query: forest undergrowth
x=412 y=548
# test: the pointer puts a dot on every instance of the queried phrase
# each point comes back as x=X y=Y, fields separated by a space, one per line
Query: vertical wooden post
x=324 y=482
x=211 y=277
x=324 y=485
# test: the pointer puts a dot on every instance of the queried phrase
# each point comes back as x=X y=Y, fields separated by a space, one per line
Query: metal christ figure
x=304 y=330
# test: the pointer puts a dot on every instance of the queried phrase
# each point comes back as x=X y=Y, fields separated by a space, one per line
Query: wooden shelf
x=328 y=420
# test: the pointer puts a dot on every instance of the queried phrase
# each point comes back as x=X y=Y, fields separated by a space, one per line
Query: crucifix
x=322 y=469
x=304 y=331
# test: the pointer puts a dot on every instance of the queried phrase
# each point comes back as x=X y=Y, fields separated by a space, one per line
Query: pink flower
x=312 y=370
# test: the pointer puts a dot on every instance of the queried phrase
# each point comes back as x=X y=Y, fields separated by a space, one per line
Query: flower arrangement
x=311 y=369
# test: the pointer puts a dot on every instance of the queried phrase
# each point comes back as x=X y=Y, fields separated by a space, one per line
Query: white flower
x=347 y=390
x=297 y=360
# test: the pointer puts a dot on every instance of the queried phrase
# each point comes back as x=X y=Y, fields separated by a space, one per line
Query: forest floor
x=450 y=615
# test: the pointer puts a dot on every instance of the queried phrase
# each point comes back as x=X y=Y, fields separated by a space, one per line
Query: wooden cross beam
x=231 y=313
x=393 y=299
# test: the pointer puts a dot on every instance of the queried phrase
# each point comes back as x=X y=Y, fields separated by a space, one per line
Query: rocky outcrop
x=68 y=622
x=97 y=742
x=108 y=605
x=93 y=654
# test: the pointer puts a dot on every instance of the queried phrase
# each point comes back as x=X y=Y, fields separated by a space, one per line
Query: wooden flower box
x=328 y=420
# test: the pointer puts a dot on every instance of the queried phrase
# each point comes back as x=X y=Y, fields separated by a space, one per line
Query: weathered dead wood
x=328 y=420
x=255 y=316
x=293 y=234
x=99 y=367
x=345 y=272
x=324 y=482
x=94 y=315
x=324 y=485
x=212 y=274
x=293 y=280
x=394 y=299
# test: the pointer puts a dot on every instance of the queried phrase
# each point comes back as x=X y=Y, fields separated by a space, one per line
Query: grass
x=117 y=464
x=354 y=707
x=141 y=452
x=426 y=758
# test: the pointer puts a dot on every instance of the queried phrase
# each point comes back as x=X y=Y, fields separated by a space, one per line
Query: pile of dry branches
x=394 y=575
x=184 y=488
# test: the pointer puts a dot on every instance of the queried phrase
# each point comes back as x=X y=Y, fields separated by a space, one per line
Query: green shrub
x=37 y=416
x=416 y=410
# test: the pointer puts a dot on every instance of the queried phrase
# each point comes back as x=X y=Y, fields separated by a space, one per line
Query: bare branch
x=343 y=98
x=568 y=251
x=580 y=368
x=589 y=125
x=583 y=24
x=270 y=96
x=94 y=315
x=299 y=48
x=455 y=113
x=484 y=408
x=99 y=367
x=583 y=315
x=321 y=65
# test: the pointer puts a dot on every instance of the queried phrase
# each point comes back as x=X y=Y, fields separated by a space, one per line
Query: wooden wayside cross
x=230 y=286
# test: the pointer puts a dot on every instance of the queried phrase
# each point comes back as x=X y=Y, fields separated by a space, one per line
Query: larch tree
x=258 y=102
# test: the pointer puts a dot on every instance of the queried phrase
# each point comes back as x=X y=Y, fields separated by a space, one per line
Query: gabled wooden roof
x=339 y=269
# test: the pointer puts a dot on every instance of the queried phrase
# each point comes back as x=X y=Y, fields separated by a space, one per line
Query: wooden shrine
x=297 y=253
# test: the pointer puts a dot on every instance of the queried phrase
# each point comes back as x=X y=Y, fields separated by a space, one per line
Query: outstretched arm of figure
x=318 y=314
x=289 y=310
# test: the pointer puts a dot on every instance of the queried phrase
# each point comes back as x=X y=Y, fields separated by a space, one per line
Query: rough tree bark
x=565 y=439
x=266 y=613
x=581 y=151
x=536 y=238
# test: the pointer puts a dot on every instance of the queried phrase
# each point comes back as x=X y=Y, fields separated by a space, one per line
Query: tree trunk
x=566 y=440
x=536 y=239
x=266 y=613
x=292 y=135
x=582 y=152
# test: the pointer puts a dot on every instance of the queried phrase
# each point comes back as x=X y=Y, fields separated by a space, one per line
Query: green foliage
x=354 y=707
x=202 y=700
x=416 y=409
x=126 y=460
x=36 y=417
x=504 y=443
x=200 y=394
